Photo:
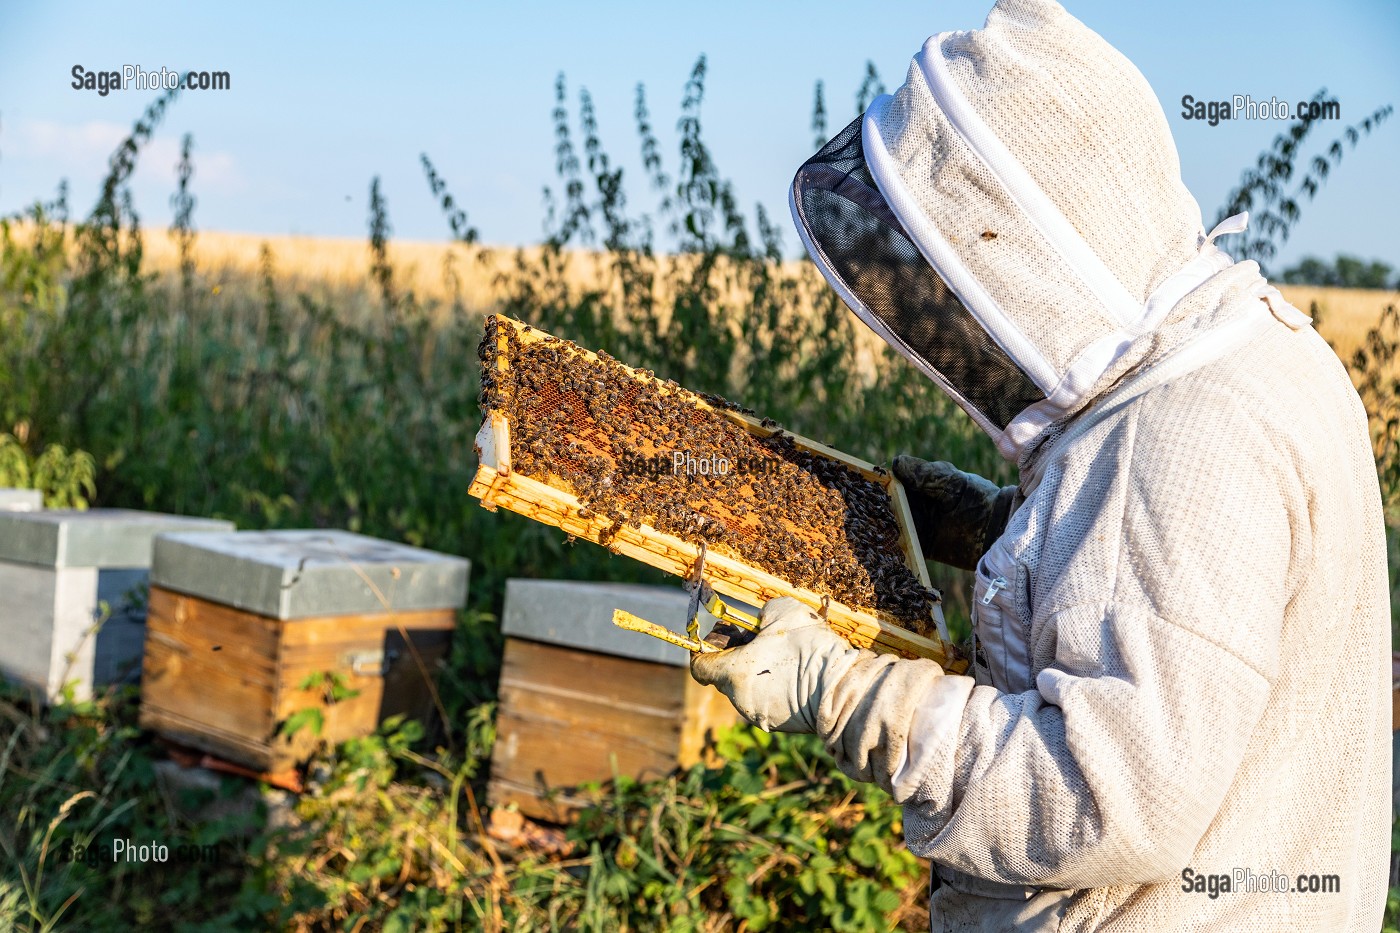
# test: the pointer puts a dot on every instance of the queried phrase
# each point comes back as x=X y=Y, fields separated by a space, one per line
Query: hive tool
x=732 y=627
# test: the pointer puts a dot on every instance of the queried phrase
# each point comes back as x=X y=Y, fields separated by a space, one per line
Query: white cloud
x=84 y=148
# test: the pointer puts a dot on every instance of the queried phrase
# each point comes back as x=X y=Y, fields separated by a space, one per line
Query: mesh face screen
x=863 y=244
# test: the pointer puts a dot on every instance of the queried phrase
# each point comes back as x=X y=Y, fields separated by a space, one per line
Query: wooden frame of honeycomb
x=498 y=486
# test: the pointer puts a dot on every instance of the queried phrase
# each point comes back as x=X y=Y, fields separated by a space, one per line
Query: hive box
x=21 y=500
x=582 y=700
x=249 y=628
x=57 y=568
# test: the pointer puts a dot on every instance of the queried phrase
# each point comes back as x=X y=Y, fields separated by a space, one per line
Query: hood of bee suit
x=1012 y=218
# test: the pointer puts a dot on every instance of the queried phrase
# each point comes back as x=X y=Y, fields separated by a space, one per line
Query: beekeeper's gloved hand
x=777 y=680
x=797 y=675
x=957 y=515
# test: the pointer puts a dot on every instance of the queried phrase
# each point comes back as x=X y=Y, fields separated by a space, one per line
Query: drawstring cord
x=1271 y=296
x=1235 y=223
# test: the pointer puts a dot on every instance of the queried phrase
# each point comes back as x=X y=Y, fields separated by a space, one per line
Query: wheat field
x=337 y=270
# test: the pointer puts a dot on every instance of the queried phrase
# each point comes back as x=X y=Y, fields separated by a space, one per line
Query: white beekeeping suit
x=1183 y=631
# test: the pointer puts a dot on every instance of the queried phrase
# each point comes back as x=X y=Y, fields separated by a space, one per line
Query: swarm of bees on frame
x=611 y=435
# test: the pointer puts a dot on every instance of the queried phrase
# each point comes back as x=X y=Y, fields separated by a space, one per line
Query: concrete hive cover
x=101 y=538
x=305 y=574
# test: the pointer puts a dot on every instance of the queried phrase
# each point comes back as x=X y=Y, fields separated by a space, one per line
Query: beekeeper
x=1182 y=628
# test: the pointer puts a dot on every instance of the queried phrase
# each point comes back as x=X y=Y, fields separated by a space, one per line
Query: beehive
x=58 y=570
x=247 y=629
x=582 y=701
x=574 y=439
x=20 y=500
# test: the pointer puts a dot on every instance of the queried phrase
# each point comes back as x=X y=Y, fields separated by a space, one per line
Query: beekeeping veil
x=1011 y=219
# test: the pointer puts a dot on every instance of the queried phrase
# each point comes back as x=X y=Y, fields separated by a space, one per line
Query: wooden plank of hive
x=569 y=717
x=497 y=486
x=324 y=643
x=222 y=679
x=193 y=655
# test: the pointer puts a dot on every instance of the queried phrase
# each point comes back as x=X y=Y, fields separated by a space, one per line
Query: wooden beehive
x=497 y=485
x=581 y=701
x=247 y=629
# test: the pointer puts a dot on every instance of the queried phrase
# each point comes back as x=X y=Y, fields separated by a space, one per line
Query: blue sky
x=325 y=96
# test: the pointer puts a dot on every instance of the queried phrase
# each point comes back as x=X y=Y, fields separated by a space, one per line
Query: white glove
x=797 y=675
x=777 y=680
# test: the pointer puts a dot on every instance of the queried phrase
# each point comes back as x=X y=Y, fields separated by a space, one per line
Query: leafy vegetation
x=1343 y=272
x=276 y=407
x=391 y=838
x=65 y=478
x=1268 y=190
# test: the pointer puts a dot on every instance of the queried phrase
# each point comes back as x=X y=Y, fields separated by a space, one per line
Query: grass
x=391 y=837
